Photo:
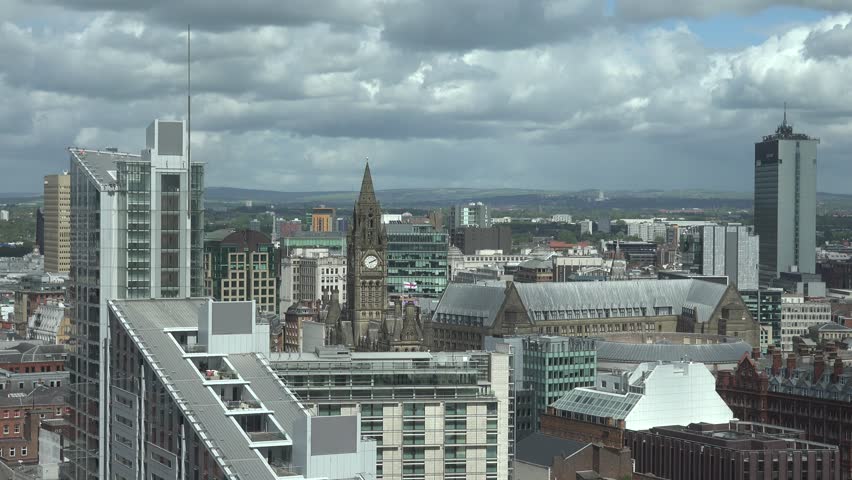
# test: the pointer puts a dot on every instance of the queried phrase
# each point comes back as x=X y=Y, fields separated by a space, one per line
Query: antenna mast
x=188 y=131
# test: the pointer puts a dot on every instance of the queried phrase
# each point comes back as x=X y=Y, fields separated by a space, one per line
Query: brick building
x=812 y=394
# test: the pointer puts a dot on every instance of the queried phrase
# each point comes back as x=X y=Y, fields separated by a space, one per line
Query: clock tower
x=366 y=248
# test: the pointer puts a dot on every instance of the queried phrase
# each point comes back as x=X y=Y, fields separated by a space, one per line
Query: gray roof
x=536 y=263
x=714 y=353
x=472 y=300
x=833 y=327
x=100 y=165
x=539 y=449
x=145 y=320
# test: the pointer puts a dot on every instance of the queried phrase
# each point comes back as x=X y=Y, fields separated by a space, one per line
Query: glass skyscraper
x=136 y=232
x=417 y=260
x=785 y=166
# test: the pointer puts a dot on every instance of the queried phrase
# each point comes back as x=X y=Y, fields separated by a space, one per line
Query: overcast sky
x=554 y=94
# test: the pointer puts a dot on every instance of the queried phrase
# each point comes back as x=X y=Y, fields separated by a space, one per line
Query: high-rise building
x=137 y=232
x=323 y=219
x=765 y=307
x=433 y=415
x=785 y=166
x=474 y=214
x=57 y=223
x=242 y=266
x=311 y=276
x=730 y=250
x=367 y=268
x=417 y=260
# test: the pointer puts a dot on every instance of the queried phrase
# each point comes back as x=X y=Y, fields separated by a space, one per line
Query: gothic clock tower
x=366 y=248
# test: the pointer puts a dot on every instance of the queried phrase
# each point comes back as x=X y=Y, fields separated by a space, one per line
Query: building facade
x=57 y=223
x=785 y=170
x=50 y=323
x=474 y=214
x=307 y=278
x=765 y=306
x=323 y=219
x=242 y=266
x=730 y=250
x=735 y=451
x=367 y=267
x=798 y=315
x=417 y=260
x=471 y=240
x=137 y=232
x=434 y=416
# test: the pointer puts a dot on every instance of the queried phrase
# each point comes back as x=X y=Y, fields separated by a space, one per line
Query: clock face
x=371 y=262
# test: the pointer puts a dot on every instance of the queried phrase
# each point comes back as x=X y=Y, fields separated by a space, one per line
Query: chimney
x=838 y=370
x=755 y=353
x=776 y=362
x=791 y=364
x=819 y=366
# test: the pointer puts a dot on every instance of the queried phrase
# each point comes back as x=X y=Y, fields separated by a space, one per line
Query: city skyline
x=681 y=92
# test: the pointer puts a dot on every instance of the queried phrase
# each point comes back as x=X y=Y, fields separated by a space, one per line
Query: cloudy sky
x=555 y=94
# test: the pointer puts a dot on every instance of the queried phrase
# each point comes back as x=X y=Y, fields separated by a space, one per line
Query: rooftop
x=539 y=449
x=671 y=347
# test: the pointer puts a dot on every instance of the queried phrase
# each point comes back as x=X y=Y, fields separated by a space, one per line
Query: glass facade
x=765 y=307
x=417 y=260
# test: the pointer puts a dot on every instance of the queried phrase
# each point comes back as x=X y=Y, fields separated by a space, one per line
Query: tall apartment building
x=798 y=315
x=193 y=397
x=57 y=223
x=730 y=250
x=649 y=231
x=137 y=232
x=242 y=266
x=307 y=278
x=434 y=416
x=323 y=219
x=417 y=260
x=473 y=214
x=785 y=168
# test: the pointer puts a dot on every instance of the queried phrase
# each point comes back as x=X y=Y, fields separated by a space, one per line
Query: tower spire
x=785 y=114
x=367 y=192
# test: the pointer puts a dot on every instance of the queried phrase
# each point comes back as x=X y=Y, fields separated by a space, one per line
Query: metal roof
x=713 y=353
x=586 y=401
x=145 y=321
x=101 y=165
x=472 y=300
x=539 y=449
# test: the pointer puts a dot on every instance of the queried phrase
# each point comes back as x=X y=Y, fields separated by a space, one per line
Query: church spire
x=367 y=193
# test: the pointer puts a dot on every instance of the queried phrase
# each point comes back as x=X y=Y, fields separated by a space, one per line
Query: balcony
x=195 y=348
x=214 y=375
x=260 y=437
x=240 y=405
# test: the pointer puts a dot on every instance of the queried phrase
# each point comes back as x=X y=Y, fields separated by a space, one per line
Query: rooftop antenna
x=785 y=114
x=188 y=129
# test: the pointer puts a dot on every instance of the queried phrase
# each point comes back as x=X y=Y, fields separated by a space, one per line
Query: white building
x=652 y=395
x=457 y=261
x=498 y=220
x=731 y=250
x=137 y=232
x=4 y=215
x=47 y=322
x=310 y=276
x=587 y=227
x=561 y=218
x=473 y=214
x=797 y=315
x=452 y=418
x=648 y=231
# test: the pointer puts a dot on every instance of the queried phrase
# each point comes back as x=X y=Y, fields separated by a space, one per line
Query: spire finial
x=785 y=114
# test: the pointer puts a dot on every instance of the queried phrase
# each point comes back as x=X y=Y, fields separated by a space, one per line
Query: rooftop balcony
x=237 y=405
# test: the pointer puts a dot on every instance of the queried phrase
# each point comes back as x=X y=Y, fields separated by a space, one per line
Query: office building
x=546 y=457
x=651 y=231
x=735 y=450
x=798 y=315
x=534 y=270
x=241 y=266
x=34 y=291
x=287 y=228
x=323 y=219
x=765 y=307
x=472 y=240
x=652 y=395
x=310 y=276
x=4 y=215
x=335 y=242
x=50 y=323
x=561 y=218
x=57 y=223
x=193 y=396
x=417 y=260
x=137 y=232
x=587 y=227
x=730 y=250
x=812 y=394
x=468 y=313
x=785 y=170
x=433 y=415
x=805 y=284
x=302 y=331
x=565 y=268
x=474 y=214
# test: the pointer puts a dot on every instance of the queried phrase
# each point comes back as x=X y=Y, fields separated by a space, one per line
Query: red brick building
x=812 y=394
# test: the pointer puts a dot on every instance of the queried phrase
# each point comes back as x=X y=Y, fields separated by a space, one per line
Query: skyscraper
x=785 y=166
x=730 y=250
x=57 y=223
x=137 y=226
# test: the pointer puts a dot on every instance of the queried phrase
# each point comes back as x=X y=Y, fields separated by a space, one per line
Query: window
x=17 y=428
x=5 y=429
x=17 y=413
x=23 y=451
x=5 y=413
x=11 y=451
x=20 y=385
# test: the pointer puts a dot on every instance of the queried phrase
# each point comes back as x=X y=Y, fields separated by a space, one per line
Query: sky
x=546 y=94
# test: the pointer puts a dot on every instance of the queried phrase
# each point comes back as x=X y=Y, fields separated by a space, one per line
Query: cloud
x=533 y=94
x=650 y=10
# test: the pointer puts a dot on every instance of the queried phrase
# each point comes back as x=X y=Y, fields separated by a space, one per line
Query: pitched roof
x=713 y=353
x=539 y=449
x=470 y=300
x=367 y=193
